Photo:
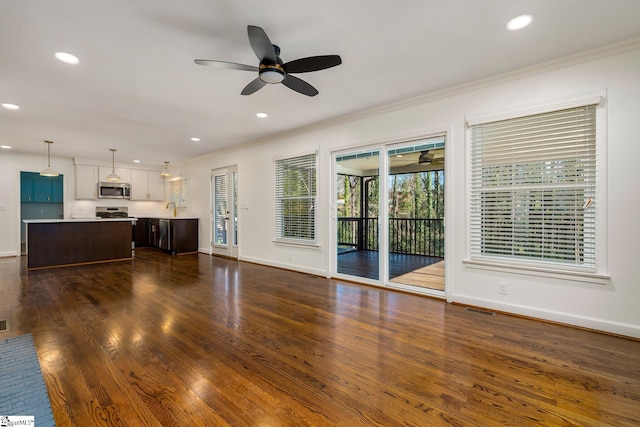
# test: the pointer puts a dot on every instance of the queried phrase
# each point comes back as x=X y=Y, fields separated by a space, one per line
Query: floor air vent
x=4 y=325
x=477 y=310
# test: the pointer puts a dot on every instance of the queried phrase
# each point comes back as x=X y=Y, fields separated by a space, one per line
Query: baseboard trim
x=291 y=267
x=583 y=322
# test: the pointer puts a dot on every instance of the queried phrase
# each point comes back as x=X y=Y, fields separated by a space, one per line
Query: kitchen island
x=60 y=242
x=170 y=234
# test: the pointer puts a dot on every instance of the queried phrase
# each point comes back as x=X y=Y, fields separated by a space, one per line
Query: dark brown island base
x=173 y=235
x=67 y=242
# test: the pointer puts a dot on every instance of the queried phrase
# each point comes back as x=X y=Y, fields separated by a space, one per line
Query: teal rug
x=22 y=388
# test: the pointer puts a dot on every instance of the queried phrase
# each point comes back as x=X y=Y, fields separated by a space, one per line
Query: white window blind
x=296 y=198
x=221 y=212
x=533 y=189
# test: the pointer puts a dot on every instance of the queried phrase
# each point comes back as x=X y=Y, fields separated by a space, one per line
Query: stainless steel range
x=112 y=212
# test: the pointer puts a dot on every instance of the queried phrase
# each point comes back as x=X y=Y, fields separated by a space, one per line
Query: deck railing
x=412 y=236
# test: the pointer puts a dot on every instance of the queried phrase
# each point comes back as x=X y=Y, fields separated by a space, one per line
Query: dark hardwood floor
x=204 y=341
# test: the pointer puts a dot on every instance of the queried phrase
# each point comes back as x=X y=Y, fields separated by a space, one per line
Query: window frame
x=596 y=274
x=313 y=198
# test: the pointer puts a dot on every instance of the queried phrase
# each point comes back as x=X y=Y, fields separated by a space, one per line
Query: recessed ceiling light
x=195 y=139
x=6 y=147
x=262 y=115
x=136 y=161
x=67 y=57
x=519 y=22
x=11 y=106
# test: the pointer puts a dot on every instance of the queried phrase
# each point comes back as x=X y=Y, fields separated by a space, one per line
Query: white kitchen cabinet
x=123 y=173
x=146 y=185
x=156 y=186
x=139 y=184
x=86 y=182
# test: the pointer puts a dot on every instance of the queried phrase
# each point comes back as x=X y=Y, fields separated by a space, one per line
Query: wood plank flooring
x=366 y=264
x=205 y=341
x=431 y=276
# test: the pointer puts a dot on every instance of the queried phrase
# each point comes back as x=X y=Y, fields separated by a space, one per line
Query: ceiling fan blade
x=261 y=45
x=299 y=85
x=225 y=64
x=424 y=157
x=254 y=86
x=312 y=63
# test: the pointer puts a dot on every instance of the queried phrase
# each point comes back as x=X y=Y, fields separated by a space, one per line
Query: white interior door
x=224 y=218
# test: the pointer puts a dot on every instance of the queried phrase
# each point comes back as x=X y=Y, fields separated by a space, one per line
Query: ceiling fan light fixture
x=272 y=69
x=272 y=75
x=113 y=176
x=49 y=171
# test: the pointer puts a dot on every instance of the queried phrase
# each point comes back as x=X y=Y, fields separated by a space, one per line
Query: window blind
x=221 y=212
x=533 y=182
x=296 y=198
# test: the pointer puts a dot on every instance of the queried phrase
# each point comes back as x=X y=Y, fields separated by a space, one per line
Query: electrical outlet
x=502 y=287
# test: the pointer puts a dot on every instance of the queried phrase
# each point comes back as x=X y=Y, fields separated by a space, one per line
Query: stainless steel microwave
x=114 y=190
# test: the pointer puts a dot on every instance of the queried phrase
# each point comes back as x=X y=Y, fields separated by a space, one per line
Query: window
x=296 y=199
x=179 y=192
x=533 y=190
x=221 y=211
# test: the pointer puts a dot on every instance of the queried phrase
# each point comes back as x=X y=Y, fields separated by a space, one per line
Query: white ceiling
x=138 y=90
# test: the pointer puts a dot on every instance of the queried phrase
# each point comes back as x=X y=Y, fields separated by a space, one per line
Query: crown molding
x=543 y=67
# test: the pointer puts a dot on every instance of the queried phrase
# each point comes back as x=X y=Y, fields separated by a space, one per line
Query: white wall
x=11 y=164
x=610 y=307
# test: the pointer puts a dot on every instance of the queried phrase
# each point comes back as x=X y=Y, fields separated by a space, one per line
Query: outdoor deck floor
x=405 y=269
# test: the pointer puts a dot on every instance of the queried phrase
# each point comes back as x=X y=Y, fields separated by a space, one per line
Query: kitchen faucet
x=175 y=211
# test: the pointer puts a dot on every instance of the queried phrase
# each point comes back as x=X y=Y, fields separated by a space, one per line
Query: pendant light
x=49 y=171
x=166 y=171
x=113 y=176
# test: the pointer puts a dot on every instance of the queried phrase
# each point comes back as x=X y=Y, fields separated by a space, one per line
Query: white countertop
x=44 y=221
x=94 y=219
x=168 y=216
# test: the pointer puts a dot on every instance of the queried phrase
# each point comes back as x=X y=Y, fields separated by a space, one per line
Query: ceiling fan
x=272 y=69
x=431 y=157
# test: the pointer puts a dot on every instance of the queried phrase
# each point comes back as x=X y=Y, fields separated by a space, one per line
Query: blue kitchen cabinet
x=40 y=189
x=56 y=194
x=26 y=186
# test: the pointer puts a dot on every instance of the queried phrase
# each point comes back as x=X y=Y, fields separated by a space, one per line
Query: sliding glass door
x=357 y=214
x=415 y=188
x=389 y=210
